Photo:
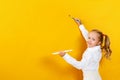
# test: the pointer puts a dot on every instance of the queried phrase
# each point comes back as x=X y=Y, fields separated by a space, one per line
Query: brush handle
x=77 y=20
x=71 y=17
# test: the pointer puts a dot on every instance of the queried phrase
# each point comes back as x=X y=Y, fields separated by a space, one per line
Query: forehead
x=93 y=34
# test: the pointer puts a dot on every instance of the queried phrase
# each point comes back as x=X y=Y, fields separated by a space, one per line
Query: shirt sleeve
x=88 y=60
x=74 y=62
x=84 y=31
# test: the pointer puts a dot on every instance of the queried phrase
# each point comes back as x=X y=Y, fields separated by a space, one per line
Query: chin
x=90 y=46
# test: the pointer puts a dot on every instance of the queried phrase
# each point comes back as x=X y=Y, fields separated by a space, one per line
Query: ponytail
x=106 y=46
x=105 y=43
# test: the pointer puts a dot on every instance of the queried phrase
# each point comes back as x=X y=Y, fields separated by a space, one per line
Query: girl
x=96 y=43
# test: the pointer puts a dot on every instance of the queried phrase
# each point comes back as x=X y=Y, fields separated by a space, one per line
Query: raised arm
x=84 y=31
x=82 y=28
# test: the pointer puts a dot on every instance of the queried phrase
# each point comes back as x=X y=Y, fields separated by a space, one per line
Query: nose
x=89 y=41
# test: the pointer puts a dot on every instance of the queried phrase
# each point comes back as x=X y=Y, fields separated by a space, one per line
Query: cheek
x=95 y=42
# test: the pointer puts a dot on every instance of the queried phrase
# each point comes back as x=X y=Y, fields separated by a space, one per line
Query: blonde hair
x=105 y=43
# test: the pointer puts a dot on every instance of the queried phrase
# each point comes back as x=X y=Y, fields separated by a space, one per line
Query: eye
x=88 y=37
x=93 y=39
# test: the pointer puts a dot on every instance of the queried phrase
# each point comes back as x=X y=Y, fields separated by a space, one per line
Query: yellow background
x=30 y=30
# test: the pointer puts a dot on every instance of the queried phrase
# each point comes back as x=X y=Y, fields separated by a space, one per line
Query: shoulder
x=95 y=51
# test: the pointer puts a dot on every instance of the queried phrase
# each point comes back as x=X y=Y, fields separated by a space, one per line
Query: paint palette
x=63 y=51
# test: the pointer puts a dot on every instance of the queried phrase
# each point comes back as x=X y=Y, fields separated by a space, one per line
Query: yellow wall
x=30 y=30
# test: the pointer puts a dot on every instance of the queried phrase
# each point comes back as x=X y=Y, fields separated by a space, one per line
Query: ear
x=99 y=43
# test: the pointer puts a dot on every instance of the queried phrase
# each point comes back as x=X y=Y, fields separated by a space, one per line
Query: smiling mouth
x=88 y=43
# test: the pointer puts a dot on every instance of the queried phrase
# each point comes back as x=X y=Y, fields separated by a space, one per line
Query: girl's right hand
x=62 y=53
x=77 y=21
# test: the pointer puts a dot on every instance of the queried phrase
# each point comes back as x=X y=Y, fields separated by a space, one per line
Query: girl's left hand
x=62 y=53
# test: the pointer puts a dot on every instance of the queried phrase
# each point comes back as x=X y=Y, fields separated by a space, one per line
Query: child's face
x=93 y=39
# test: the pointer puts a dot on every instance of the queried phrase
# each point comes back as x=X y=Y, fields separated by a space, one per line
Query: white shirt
x=90 y=59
